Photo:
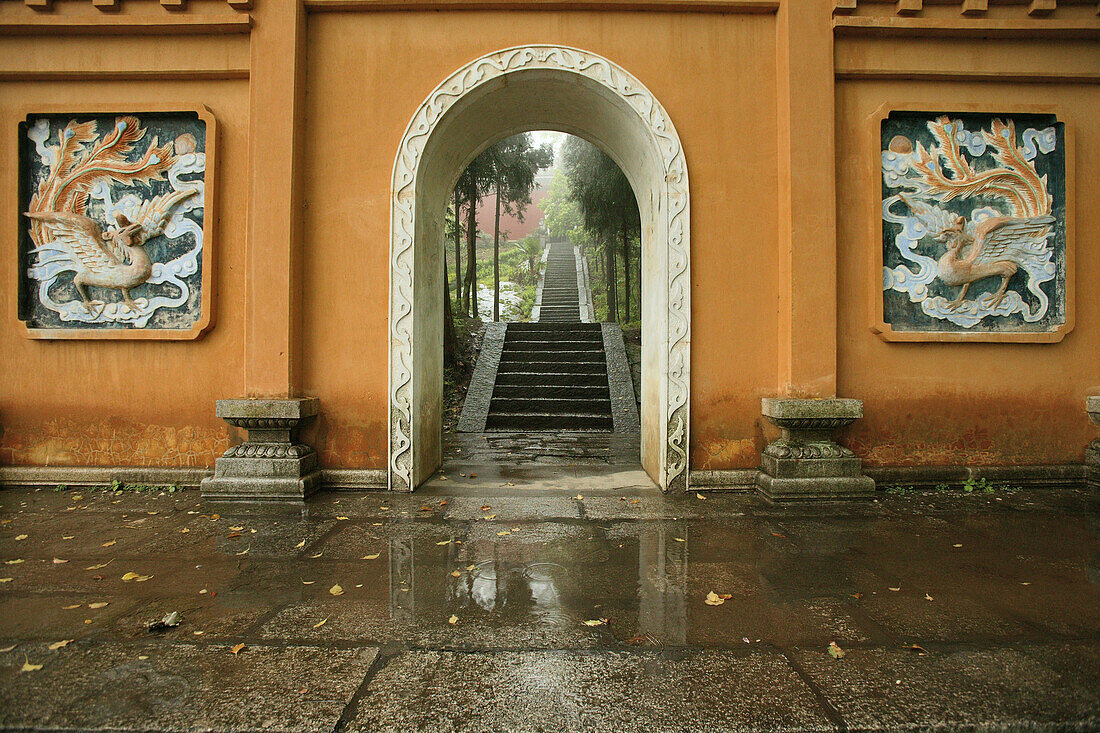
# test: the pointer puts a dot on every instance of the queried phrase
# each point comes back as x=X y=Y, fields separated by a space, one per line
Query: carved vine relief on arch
x=675 y=224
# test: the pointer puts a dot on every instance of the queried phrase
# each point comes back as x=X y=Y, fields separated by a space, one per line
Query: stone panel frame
x=206 y=300
x=879 y=326
x=653 y=160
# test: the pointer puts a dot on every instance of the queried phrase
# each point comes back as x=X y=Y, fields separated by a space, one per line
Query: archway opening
x=497 y=96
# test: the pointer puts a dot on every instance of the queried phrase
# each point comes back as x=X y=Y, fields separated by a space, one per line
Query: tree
x=608 y=208
x=511 y=166
x=472 y=185
x=532 y=253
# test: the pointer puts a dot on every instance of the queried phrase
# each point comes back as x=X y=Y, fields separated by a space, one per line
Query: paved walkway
x=507 y=611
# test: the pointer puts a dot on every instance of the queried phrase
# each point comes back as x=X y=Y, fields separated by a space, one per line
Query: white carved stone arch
x=502 y=94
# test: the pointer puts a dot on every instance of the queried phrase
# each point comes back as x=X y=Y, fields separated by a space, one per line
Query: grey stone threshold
x=1072 y=475
x=475 y=408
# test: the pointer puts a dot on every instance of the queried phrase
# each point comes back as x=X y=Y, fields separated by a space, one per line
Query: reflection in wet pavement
x=617 y=575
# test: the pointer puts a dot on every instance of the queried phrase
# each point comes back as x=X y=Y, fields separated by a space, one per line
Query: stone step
x=567 y=390
x=544 y=355
x=550 y=405
x=551 y=379
x=553 y=344
x=554 y=367
x=532 y=339
x=521 y=327
x=520 y=421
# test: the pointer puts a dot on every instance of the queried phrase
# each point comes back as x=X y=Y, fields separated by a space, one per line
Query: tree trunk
x=626 y=271
x=450 y=343
x=470 y=298
x=496 y=257
x=612 y=284
x=458 y=252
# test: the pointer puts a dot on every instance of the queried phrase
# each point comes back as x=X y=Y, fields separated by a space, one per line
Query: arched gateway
x=496 y=96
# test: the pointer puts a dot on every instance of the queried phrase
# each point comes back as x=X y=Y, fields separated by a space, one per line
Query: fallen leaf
x=1023 y=583
x=300 y=544
x=486 y=508
x=308 y=582
x=314 y=557
x=203 y=592
x=857 y=596
x=895 y=589
x=502 y=534
x=596 y=622
x=170 y=621
x=456 y=574
x=443 y=502
x=957 y=544
x=100 y=566
x=928 y=597
x=16 y=561
x=185 y=530
x=578 y=497
x=130 y=576
x=444 y=542
x=473 y=475
x=59 y=561
x=700 y=496
x=68 y=537
x=237 y=649
x=243 y=552
x=143 y=657
x=233 y=535
x=6 y=580
x=453 y=619
x=342 y=519
x=713 y=599
x=916 y=648
x=776 y=534
x=679 y=539
x=28 y=667
x=20 y=537
x=99 y=604
x=471 y=567
x=58 y=644
x=488 y=517
x=198 y=633
x=336 y=590
x=108 y=544
x=425 y=508
x=835 y=651
x=7 y=649
x=372 y=557
x=320 y=623
x=236 y=529
x=70 y=608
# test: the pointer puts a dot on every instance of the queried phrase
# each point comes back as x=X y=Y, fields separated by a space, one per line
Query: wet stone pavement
x=529 y=611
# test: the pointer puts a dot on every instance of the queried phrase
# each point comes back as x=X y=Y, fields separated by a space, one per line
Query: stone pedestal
x=806 y=463
x=271 y=465
x=1092 y=453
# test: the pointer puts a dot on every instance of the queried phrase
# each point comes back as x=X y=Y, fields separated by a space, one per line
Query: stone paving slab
x=1023 y=687
x=1012 y=630
x=645 y=691
x=115 y=686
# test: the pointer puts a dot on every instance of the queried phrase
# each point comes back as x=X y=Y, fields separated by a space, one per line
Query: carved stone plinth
x=806 y=463
x=1092 y=453
x=271 y=465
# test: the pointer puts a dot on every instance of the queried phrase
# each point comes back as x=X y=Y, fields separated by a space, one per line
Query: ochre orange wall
x=126 y=402
x=304 y=168
x=957 y=403
x=715 y=76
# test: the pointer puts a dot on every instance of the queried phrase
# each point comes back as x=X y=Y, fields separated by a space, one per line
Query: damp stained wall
x=311 y=103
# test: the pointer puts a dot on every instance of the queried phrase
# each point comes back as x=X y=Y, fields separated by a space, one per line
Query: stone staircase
x=560 y=301
x=552 y=374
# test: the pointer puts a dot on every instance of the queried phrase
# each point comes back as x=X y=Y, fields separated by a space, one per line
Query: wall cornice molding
x=674 y=6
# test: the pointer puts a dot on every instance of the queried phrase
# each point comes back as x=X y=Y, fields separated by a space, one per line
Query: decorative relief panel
x=975 y=236
x=113 y=231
